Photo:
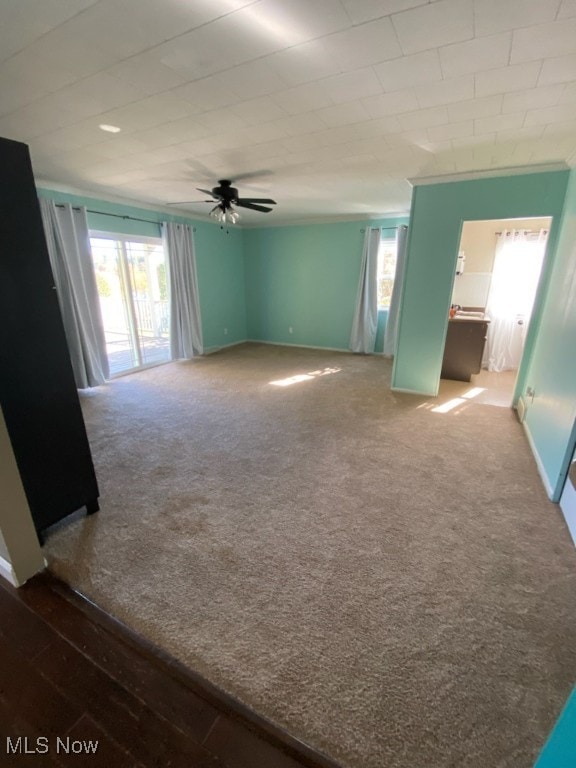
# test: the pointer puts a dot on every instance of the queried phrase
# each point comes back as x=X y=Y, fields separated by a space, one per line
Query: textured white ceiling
x=331 y=104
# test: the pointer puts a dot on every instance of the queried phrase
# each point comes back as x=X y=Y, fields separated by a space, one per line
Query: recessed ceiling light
x=110 y=128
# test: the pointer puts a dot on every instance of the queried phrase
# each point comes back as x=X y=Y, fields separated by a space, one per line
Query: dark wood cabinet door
x=464 y=349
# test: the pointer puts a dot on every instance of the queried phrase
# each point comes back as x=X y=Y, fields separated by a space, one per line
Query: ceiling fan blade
x=189 y=202
x=256 y=200
x=199 y=169
x=250 y=175
x=243 y=204
x=206 y=191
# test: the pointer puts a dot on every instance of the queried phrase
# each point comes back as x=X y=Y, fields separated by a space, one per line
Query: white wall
x=478 y=242
x=20 y=553
x=3 y=548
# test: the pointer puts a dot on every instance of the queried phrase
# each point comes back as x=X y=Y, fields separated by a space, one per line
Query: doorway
x=132 y=282
x=497 y=276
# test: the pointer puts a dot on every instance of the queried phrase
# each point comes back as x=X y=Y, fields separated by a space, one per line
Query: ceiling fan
x=227 y=197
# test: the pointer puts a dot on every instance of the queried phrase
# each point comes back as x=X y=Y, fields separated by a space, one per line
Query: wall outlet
x=225 y=331
x=290 y=329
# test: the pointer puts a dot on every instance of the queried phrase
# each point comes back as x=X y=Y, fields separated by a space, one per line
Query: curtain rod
x=121 y=216
x=116 y=215
x=527 y=231
x=383 y=228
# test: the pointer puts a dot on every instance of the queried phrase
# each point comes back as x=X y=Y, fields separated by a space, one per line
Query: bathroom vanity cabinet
x=464 y=347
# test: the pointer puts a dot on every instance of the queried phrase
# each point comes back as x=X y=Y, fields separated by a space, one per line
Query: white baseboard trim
x=7 y=572
x=301 y=346
x=568 y=507
x=538 y=460
x=414 y=392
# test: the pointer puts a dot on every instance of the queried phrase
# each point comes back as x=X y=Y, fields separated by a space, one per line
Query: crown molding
x=172 y=210
x=516 y=170
x=106 y=197
x=341 y=219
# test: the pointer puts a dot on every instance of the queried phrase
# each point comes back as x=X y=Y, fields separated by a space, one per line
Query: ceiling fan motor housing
x=225 y=192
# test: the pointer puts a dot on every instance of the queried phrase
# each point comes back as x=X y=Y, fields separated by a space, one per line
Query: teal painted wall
x=220 y=264
x=438 y=211
x=551 y=417
x=219 y=261
x=257 y=283
x=382 y=320
x=560 y=749
x=305 y=277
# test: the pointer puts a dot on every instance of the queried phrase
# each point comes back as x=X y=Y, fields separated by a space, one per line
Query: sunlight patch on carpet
x=299 y=377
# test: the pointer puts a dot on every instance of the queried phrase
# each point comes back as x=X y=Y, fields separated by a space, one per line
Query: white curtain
x=185 y=323
x=365 y=322
x=515 y=276
x=68 y=241
x=391 y=330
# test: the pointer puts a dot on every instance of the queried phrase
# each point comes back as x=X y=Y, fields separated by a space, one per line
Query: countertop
x=471 y=317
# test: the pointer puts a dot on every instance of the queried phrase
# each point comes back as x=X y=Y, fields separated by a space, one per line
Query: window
x=386 y=271
x=132 y=282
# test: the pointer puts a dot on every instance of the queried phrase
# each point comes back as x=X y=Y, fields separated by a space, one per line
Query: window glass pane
x=389 y=262
x=120 y=342
x=386 y=271
x=150 y=298
x=385 y=286
x=131 y=275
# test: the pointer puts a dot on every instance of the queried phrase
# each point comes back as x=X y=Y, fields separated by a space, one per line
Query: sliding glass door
x=132 y=281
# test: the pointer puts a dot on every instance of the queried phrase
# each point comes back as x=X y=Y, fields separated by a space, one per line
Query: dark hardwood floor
x=71 y=674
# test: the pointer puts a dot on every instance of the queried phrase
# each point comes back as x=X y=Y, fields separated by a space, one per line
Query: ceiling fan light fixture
x=217 y=213
x=224 y=214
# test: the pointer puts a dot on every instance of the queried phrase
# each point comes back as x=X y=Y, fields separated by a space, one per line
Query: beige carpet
x=386 y=580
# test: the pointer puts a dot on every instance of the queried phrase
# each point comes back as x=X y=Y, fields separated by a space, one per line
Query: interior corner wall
x=551 y=415
x=306 y=278
x=438 y=212
x=220 y=266
x=3 y=548
x=219 y=260
x=20 y=553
